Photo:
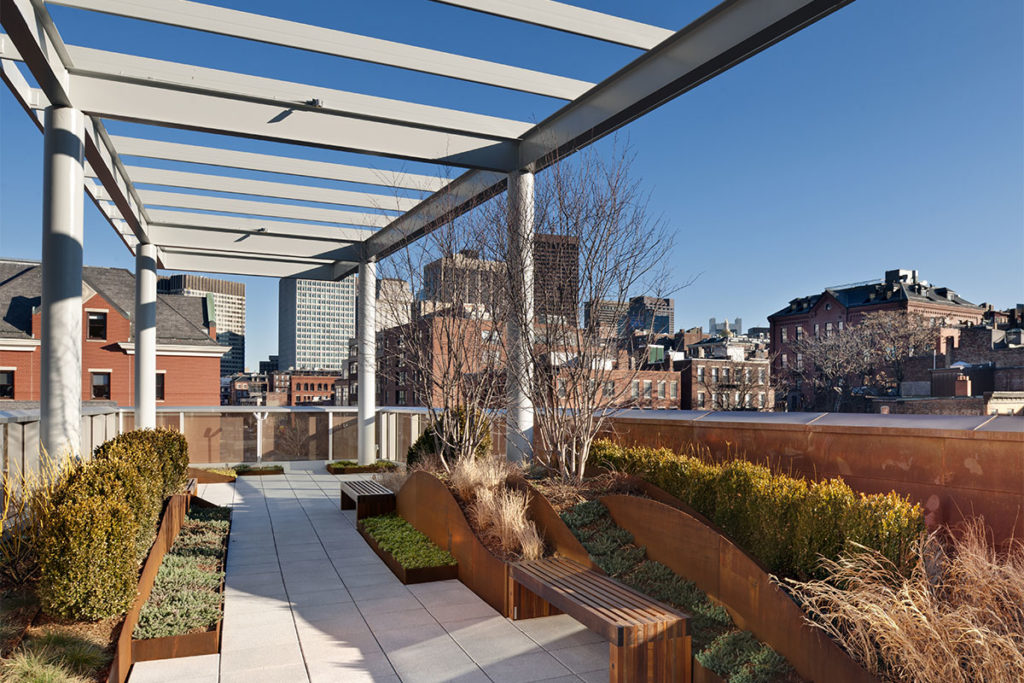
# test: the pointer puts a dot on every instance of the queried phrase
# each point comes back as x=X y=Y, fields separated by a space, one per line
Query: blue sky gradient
x=889 y=135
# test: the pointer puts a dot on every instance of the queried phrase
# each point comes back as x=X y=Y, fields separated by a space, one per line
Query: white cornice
x=179 y=350
x=18 y=344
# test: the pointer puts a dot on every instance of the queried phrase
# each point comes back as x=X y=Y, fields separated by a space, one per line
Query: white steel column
x=519 y=416
x=60 y=386
x=367 y=348
x=145 y=336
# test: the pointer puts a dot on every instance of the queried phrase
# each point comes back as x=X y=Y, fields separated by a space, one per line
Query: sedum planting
x=410 y=548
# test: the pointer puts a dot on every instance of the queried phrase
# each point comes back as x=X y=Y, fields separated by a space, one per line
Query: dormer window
x=96 y=326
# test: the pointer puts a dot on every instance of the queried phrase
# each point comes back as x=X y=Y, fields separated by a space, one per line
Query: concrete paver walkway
x=308 y=600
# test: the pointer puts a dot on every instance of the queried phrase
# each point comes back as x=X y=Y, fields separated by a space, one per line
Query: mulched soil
x=563 y=495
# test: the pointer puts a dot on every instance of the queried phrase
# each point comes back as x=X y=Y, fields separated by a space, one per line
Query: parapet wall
x=954 y=466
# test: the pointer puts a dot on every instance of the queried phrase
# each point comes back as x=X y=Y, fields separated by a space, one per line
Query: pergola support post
x=519 y=416
x=60 y=387
x=145 y=336
x=367 y=354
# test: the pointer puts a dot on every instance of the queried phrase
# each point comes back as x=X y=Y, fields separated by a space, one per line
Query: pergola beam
x=717 y=41
x=209 y=113
x=228 y=22
x=229 y=264
x=142 y=175
x=252 y=161
x=155 y=72
x=197 y=202
x=571 y=19
x=250 y=244
x=238 y=225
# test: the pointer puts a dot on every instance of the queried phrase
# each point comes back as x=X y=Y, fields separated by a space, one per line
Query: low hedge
x=340 y=466
x=410 y=548
x=788 y=524
x=103 y=523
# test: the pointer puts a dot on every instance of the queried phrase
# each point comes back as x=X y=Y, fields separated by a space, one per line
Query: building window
x=760 y=376
x=785 y=361
x=816 y=330
x=400 y=397
x=700 y=373
x=700 y=399
x=714 y=374
x=609 y=388
x=673 y=390
x=6 y=383
x=636 y=389
x=725 y=375
x=799 y=332
x=97 y=325
x=101 y=385
x=561 y=388
x=784 y=335
x=799 y=361
x=661 y=389
x=746 y=401
x=828 y=329
x=647 y=389
x=760 y=400
x=840 y=325
x=746 y=375
x=160 y=386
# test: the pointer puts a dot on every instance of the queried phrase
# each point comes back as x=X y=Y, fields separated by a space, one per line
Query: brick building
x=556 y=279
x=726 y=373
x=188 y=358
x=837 y=308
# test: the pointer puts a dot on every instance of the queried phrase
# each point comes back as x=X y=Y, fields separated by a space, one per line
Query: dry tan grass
x=472 y=475
x=959 y=616
x=501 y=514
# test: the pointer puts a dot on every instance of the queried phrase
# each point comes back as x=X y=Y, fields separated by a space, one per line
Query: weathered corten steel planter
x=414 y=575
x=261 y=473
x=128 y=650
x=687 y=543
x=204 y=476
x=359 y=469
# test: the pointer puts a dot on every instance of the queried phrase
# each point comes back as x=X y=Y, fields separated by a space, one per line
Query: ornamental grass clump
x=501 y=514
x=958 y=617
x=410 y=547
x=786 y=523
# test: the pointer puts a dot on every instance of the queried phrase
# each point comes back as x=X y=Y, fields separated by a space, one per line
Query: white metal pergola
x=76 y=89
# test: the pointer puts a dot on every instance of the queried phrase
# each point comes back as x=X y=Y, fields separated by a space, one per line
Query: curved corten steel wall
x=556 y=534
x=950 y=472
x=427 y=504
x=698 y=552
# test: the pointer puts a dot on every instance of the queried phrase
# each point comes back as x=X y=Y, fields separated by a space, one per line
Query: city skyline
x=861 y=145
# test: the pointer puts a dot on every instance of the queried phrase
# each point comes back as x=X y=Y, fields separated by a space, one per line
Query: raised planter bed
x=205 y=476
x=336 y=468
x=259 y=470
x=412 y=575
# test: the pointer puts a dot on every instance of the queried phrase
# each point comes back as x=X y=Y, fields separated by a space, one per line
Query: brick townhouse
x=187 y=356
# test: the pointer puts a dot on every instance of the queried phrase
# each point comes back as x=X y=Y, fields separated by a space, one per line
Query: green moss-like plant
x=410 y=548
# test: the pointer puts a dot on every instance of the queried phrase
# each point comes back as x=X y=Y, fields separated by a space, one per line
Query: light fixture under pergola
x=259 y=229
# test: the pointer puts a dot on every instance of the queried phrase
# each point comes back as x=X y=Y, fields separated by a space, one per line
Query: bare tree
x=893 y=337
x=832 y=364
x=597 y=242
x=447 y=357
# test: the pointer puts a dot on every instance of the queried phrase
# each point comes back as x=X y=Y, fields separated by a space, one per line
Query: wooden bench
x=368 y=498
x=649 y=641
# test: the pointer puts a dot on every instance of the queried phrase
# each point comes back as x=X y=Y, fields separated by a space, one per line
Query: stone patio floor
x=308 y=600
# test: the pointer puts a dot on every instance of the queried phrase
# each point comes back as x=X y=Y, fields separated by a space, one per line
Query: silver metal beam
x=229 y=158
x=571 y=19
x=143 y=175
x=252 y=208
x=717 y=41
x=204 y=239
x=223 y=21
x=194 y=111
x=258 y=226
x=519 y=413
x=133 y=69
x=366 y=332
x=249 y=265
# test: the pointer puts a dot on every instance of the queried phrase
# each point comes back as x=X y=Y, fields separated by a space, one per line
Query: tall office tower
x=394 y=303
x=556 y=278
x=653 y=314
x=606 y=313
x=315 y=320
x=228 y=306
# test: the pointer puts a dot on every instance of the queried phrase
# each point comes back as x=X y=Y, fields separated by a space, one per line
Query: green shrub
x=729 y=653
x=787 y=523
x=454 y=421
x=88 y=556
x=410 y=548
x=160 y=452
x=379 y=465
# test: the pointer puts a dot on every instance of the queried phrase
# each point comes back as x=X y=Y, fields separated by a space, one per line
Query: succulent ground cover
x=733 y=654
x=186 y=596
x=410 y=547
x=244 y=469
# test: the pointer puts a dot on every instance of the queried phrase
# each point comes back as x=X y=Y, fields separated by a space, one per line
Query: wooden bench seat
x=368 y=498
x=649 y=641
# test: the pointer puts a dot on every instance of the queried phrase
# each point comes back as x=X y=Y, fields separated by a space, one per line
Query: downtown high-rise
x=316 y=320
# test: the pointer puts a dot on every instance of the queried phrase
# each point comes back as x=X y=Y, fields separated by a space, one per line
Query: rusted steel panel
x=409 y=576
x=728 y=575
x=190 y=645
x=952 y=473
x=427 y=504
x=554 y=531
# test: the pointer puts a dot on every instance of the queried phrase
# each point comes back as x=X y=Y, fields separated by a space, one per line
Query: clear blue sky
x=889 y=135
